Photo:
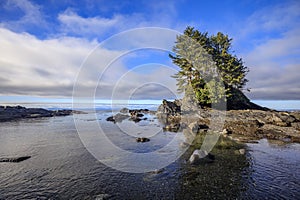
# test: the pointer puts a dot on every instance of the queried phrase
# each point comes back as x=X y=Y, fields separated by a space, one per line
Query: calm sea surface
x=62 y=168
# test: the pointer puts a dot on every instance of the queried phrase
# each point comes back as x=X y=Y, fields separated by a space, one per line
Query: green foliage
x=196 y=54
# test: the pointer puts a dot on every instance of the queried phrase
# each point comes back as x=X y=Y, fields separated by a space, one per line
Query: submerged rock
x=15 y=159
x=142 y=139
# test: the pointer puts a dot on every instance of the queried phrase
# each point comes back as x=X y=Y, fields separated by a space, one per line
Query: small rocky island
x=242 y=125
x=248 y=123
x=11 y=113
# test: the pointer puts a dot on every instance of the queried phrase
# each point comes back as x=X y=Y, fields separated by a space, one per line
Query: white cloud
x=31 y=66
x=275 y=68
x=71 y=22
x=32 y=15
x=159 y=14
x=279 y=17
x=29 y=62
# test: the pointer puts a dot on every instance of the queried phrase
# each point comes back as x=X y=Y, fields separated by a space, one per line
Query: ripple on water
x=275 y=170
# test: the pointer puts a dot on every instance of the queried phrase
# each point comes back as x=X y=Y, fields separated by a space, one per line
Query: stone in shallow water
x=199 y=156
x=142 y=139
x=242 y=151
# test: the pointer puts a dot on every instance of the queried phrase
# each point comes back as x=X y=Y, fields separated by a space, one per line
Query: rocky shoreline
x=11 y=113
x=240 y=125
x=247 y=125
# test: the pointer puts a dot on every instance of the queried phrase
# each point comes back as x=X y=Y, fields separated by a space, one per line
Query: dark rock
x=169 y=107
x=15 y=159
x=135 y=119
x=142 y=139
x=9 y=113
x=226 y=132
x=139 y=111
x=239 y=101
x=195 y=127
x=172 y=127
x=135 y=115
x=117 y=118
x=110 y=119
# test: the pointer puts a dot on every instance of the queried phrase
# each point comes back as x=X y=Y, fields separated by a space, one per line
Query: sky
x=47 y=47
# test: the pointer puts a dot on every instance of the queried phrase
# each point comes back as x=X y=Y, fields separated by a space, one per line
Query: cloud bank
x=41 y=55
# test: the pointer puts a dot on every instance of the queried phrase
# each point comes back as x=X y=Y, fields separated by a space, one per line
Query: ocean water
x=61 y=167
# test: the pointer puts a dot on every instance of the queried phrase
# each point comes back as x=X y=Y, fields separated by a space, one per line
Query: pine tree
x=195 y=54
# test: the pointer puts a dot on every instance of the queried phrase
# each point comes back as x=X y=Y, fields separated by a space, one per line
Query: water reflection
x=61 y=168
x=222 y=179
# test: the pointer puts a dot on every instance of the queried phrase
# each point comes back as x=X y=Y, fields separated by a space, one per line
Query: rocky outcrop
x=9 y=113
x=239 y=101
x=142 y=139
x=239 y=124
x=132 y=115
x=117 y=118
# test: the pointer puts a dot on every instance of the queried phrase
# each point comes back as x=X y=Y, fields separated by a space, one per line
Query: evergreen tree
x=195 y=54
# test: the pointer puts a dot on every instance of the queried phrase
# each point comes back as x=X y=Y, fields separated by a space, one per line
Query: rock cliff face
x=9 y=113
x=242 y=125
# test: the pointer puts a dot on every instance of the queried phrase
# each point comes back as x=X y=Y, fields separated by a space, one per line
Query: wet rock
x=124 y=110
x=135 y=114
x=169 y=107
x=102 y=197
x=226 y=132
x=242 y=151
x=117 y=118
x=15 y=159
x=244 y=125
x=195 y=127
x=157 y=171
x=199 y=156
x=142 y=139
x=172 y=127
x=136 y=119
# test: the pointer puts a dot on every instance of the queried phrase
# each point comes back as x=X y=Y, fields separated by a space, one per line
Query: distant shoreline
x=12 y=113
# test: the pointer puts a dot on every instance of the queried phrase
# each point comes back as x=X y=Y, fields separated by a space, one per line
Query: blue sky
x=44 y=44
